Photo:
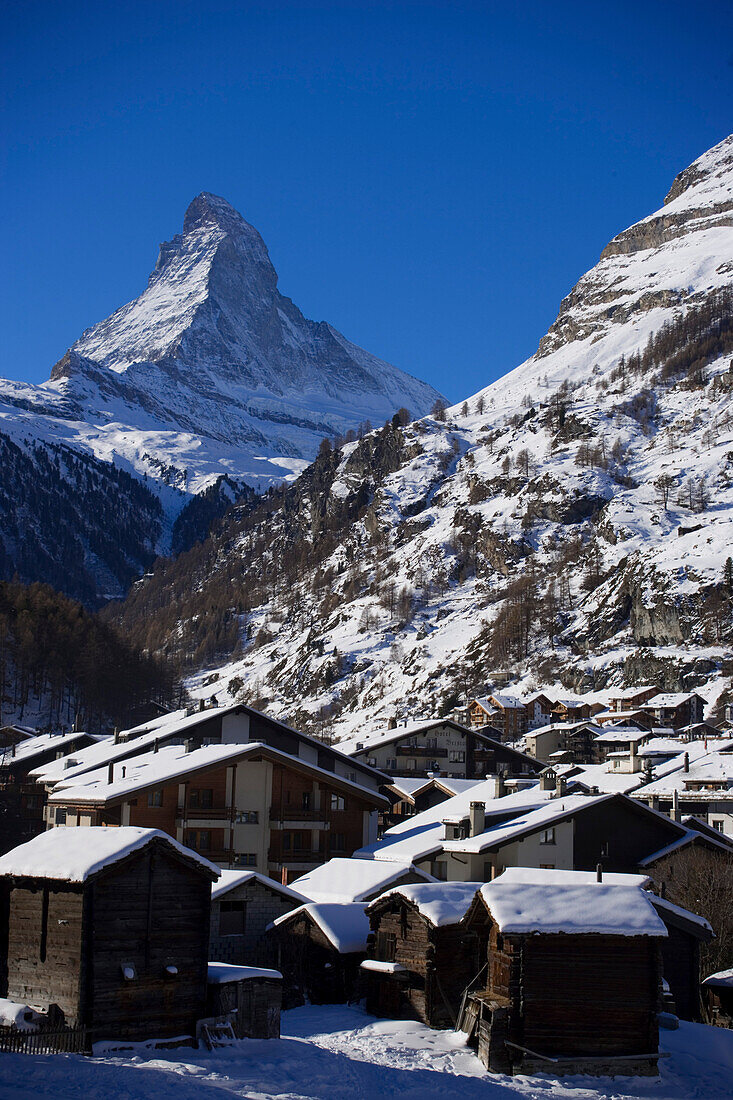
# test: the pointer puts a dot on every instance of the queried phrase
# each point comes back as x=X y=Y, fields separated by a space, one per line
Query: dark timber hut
x=574 y=974
x=319 y=948
x=681 y=955
x=421 y=957
x=110 y=925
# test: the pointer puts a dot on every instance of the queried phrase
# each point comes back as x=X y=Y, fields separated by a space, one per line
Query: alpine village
x=418 y=707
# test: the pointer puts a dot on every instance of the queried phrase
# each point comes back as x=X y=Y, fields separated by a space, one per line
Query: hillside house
x=502 y=711
x=111 y=925
x=243 y=905
x=240 y=805
x=676 y=709
x=575 y=738
x=573 y=975
x=419 y=957
x=319 y=948
x=702 y=787
x=572 y=709
x=440 y=747
x=631 y=698
x=717 y=992
x=538 y=709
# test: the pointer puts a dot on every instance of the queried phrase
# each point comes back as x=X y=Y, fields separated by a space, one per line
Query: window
x=385 y=946
x=198 y=839
x=155 y=798
x=372 y=761
x=338 y=802
x=201 y=798
x=488 y=872
x=246 y=859
x=232 y=918
x=457 y=756
x=717 y=824
x=391 y=764
x=306 y=800
x=338 y=842
x=547 y=836
x=248 y=817
x=61 y=817
x=296 y=842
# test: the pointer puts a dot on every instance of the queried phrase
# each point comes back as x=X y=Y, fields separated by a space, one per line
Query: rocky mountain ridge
x=572 y=522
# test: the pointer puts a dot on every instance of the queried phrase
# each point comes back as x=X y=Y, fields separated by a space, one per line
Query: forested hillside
x=60 y=665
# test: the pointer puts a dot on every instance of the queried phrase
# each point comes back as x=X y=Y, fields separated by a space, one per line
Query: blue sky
x=431 y=178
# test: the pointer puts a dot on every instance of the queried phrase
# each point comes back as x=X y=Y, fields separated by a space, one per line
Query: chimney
x=111 y=773
x=116 y=736
x=686 y=767
x=359 y=745
x=202 y=705
x=675 y=805
x=392 y=724
x=561 y=786
x=156 y=744
x=499 y=786
x=477 y=817
x=547 y=780
x=284 y=876
x=599 y=872
x=189 y=744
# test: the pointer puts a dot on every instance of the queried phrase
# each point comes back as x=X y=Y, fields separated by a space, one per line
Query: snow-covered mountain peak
x=710 y=172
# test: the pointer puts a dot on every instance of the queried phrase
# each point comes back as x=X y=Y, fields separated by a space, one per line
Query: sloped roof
x=440 y=903
x=346 y=880
x=345 y=926
x=231 y=879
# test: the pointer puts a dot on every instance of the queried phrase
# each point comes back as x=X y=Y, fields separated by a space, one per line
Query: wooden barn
x=247 y=997
x=573 y=974
x=243 y=905
x=420 y=956
x=110 y=925
x=718 y=997
x=319 y=948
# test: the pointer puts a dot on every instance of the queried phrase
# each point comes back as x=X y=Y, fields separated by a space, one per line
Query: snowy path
x=332 y=1052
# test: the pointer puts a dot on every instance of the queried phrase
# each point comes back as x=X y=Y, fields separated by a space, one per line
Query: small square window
x=338 y=802
x=155 y=798
x=547 y=836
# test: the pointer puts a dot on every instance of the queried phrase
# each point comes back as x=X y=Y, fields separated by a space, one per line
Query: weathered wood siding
x=254 y=947
x=311 y=967
x=57 y=978
x=150 y=912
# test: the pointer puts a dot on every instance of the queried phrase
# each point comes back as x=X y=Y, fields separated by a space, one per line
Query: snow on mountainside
x=573 y=520
x=211 y=373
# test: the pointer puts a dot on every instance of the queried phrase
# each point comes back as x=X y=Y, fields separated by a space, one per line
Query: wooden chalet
x=319 y=948
x=248 y=998
x=240 y=805
x=420 y=957
x=681 y=955
x=573 y=975
x=111 y=926
x=676 y=709
x=505 y=713
x=243 y=905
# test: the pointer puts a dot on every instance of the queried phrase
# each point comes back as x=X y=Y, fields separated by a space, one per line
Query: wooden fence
x=69 y=1040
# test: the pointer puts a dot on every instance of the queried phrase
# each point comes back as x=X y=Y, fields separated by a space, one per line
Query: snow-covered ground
x=337 y=1053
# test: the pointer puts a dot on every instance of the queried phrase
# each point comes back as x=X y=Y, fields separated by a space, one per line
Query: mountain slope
x=572 y=521
x=209 y=381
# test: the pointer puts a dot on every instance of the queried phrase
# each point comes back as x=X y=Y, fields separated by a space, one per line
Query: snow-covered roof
x=230 y=880
x=552 y=902
x=669 y=699
x=421 y=834
x=407 y=786
x=507 y=702
x=63 y=772
x=440 y=903
x=662 y=905
x=221 y=973
x=154 y=769
x=345 y=925
x=614 y=878
x=75 y=854
x=630 y=692
x=722 y=979
x=533 y=821
x=705 y=767
x=35 y=746
x=18 y=1015
x=621 y=734
x=346 y=880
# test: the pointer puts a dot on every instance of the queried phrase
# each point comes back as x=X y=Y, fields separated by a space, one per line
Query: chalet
x=242 y=805
x=573 y=975
x=112 y=926
x=572 y=709
x=718 y=997
x=569 y=831
x=14 y=735
x=703 y=787
x=575 y=738
x=627 y=719
x=243 y=905
x=539 y=708
x=676 y=709
x=248 y=998
x=502 y=711
x=23 y=802
x=347 y=880
x=619 y=739
x=439 y=747
x=319 y=948
x=631 y=698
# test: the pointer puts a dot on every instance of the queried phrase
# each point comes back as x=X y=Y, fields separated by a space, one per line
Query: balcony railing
x=199 y=812
x=420 y=750
x=291 y=813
